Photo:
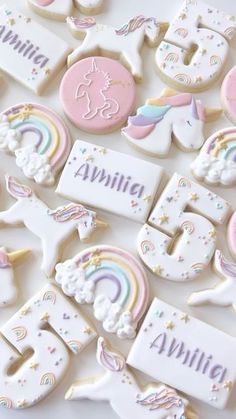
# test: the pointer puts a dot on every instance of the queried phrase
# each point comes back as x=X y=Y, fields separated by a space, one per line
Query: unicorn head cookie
x=172 y=115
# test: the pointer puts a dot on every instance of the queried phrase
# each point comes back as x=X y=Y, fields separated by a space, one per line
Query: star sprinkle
x=194 y=196
x=27 y=19
x=87 y=330
x=89 y=157
x=33 y=365
x=45 y=317
x=11 y=21
x=212 y=233
x=163 y=218
x=157 y=269
x=103 y=150
x=169 y=325
x=21 y=403
x=147 y=198
x=25 y=310
x=198 y=79
x=184 y=317
x=46 y=71
x=220 y=136
x=228 y=385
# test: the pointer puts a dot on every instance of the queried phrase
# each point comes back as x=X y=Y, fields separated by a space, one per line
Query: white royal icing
x=54 y=9
x=172 y=116
x=53 y=227
x=120 y=388
x=194 y=249
x=88 y=278
x=177 y=349
x=210 y=29
x=37 y=53
x=110 y=180
x=224 y=294
x=124 y=42
x=42 y=372
x=89 y=6
x=8 y=290
x=216 y=162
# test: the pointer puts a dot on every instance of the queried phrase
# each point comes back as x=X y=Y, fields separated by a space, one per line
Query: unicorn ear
x=167 y=91
x=110 y=360
x=17 y=190
x=94 y=66
x=211 y=114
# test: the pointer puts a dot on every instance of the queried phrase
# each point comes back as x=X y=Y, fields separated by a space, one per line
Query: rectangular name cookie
x=110 y=180
x=29 y=53
x=186 y=354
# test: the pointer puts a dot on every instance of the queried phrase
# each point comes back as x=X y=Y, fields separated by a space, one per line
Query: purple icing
x=112 y=278
x=142 y=120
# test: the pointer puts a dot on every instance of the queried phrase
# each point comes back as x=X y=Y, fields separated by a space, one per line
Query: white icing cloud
x=9 y=138
x=73 y=283
x=35 y=166
x=214 y=170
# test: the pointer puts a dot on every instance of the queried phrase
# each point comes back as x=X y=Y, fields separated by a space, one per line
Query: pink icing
x=228 y=94
x=138 y=132
x=44 y=3
x=98 y=94
x=231 y=234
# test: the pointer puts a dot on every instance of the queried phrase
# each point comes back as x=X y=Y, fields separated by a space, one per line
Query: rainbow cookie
x=216 y=162
x=86 y=277
x=224 y=294
x=52 y=9
x=38 y=138
x=171 y=116
x=123 y=43
x=8 y=292
x=195 y=47
x=127 y=398
x=35 y=344
x=228 y=95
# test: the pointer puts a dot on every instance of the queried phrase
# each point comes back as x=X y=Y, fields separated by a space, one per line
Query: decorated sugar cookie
x=119 y=387
x=38 y=138
x=231 y=235
x=195 y=47
x=89 y=7
x=228 y=95
x=29 y=53
x=185 y=353
x=113 y=280
x=216 y=162
x=35 y=345
x=53 y=227
x=53 y=9
x=8 y=289
x=177 y=244
x=223 y=294
x=109 y=180
x=123 y=43
x=171 y=116
x=98 y=94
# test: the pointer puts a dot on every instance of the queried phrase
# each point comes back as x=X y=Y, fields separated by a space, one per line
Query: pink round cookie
x=98 y=94
x=228 y=95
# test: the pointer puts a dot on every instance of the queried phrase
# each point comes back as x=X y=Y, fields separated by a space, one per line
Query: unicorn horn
x=211 y=114
x=167 y=91
x=18 y=254
x=101 y=224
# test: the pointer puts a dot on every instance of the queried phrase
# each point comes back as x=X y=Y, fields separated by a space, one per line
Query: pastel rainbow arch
x=5 y=402
x=48 y=379
x=102 y=263
x=75 y=346
x=42 y=129
x=20 y=332
x=216 y=162
x=50 y=296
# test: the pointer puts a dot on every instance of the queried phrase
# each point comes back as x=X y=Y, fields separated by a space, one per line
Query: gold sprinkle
x=212 y=233
x=228 y=385
x=194 y=196
x=157 y=269
x=11 y=21
x=25 y=310
x=34 y=365
x=27 y=19
x=198 y=79
x=45 y=317
x=21 y=403
x=87 y=330
x=47 y=71
x=89 y=157
x=184 y=317
x=169 y=325
x=103 y=150
x=163 y=218
x=147 y=198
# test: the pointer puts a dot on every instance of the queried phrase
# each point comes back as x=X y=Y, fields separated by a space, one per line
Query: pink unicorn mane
x=135 y=23
x=69 y=212
x=228 y=268
x=82 y=23
x=165 y=399
x=4 y=260
x=108 y=359
x=16 y=189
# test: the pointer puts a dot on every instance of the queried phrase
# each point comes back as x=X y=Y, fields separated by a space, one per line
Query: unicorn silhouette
x=97 y=104
x=119 y=387
x=171 y=116
x=223 y=294
x=53 y=227
x=124 y=43
x=8 y=292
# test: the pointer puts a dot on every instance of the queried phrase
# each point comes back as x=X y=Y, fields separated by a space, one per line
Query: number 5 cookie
x=119 y=386
x=124 y=43
x=172 y=115
x=195 y=47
